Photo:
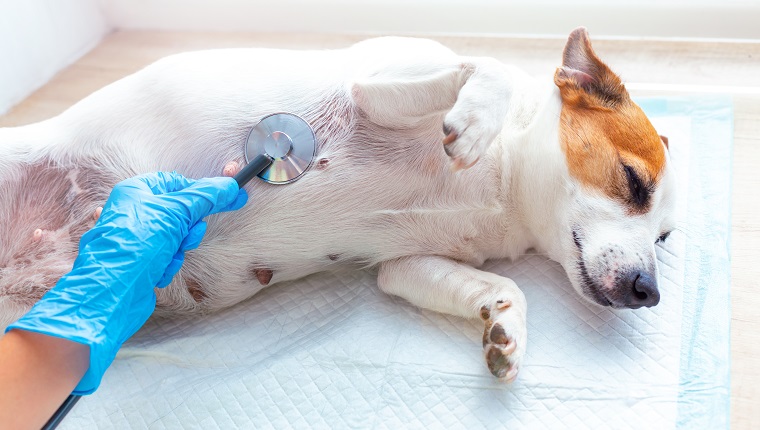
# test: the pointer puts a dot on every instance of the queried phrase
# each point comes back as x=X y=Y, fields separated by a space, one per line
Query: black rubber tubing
x=252 y=169
x=61 y=412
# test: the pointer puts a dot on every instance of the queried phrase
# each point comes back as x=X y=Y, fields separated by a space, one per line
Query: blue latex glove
x=138 y=243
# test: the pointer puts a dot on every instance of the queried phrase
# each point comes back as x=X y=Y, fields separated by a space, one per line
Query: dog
x=428 y=164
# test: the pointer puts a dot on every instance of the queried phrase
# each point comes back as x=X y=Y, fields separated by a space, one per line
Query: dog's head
x=618 y=198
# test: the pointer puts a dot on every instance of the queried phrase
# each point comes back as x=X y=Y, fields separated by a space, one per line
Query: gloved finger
x=209 y=196
x=130 y=191
x=194 y=237
x=240 y=201
x=158 y=182
x=171 y=269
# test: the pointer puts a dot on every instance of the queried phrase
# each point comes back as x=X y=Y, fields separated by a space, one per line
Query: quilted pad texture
x=332 y=351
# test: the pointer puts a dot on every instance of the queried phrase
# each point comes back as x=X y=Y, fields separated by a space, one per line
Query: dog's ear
x=665 y=141
x=583 y=71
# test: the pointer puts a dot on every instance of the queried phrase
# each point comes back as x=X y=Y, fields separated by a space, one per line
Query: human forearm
x=42 y=370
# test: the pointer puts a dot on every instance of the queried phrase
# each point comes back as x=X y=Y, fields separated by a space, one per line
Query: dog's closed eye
x=662 y=237
x=639 y=191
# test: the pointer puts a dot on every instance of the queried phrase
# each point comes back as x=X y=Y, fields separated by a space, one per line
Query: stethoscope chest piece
x=285 y=141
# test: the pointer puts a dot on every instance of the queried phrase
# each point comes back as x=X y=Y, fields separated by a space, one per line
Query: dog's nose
x=643 y=290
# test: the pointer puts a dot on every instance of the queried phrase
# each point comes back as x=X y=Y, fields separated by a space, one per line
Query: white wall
x=40 y=37
x=649 y=18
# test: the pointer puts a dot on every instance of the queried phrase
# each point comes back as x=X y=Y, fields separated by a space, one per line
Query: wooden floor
x=651 y=67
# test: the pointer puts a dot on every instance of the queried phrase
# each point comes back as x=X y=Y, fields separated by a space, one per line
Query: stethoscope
x=279 y=149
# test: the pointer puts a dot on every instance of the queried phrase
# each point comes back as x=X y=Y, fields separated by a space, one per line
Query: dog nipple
x=231 y=169
x=96 y=214
x=195 y=290
x=37 y=235
x=264 y=276
x=323 y=163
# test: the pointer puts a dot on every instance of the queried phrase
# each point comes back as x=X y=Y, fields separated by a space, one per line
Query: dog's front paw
x=504 y=339
x=468 y=135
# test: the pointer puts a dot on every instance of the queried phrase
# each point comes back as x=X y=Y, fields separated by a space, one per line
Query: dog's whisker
x=686 y=230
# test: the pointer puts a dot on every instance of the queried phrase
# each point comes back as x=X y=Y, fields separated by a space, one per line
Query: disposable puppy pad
x=332 y=351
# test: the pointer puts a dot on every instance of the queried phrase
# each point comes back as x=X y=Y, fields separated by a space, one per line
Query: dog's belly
x=377 y=195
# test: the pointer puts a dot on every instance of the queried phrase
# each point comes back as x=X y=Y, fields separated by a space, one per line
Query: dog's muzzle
x=633 y=287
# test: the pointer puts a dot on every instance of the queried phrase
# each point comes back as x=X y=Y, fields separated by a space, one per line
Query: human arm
x=37 y=372
x=137 y=244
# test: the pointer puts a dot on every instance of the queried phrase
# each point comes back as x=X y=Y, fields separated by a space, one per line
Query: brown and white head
x=617 y=186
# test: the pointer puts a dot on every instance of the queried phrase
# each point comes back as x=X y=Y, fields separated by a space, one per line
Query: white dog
x=428 y=164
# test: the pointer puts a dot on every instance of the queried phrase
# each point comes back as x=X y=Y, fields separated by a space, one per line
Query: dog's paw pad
x=485 y=313
x=498 y=347
x=499 y=344
x=499 y=362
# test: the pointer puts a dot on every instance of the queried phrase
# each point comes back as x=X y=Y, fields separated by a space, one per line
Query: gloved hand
x=138 y=243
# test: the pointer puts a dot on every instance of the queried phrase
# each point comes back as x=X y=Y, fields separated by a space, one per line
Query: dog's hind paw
x=503 y=339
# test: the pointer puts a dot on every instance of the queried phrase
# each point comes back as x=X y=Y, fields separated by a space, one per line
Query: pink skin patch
x=609 y=280
x=231 y=169
x=49 y=207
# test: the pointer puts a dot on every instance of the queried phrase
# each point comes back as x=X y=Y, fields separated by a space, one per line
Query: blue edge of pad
x=704 y=380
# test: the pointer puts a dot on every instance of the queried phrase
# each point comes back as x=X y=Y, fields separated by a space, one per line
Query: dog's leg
x=444 y=285
x=477 y=117
x=411 y=92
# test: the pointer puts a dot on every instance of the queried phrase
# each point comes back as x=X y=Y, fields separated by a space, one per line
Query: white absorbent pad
x=332 y=351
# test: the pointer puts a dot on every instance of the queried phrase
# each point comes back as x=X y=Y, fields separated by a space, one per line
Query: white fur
x=388 y=196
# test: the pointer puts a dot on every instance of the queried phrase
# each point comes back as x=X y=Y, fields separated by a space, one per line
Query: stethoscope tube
x=61 y=412
x=252 y=169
